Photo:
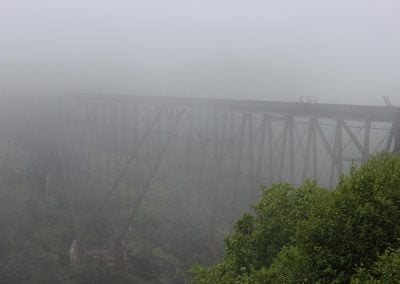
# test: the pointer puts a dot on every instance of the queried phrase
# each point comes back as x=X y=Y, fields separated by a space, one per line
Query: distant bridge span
x=218 y=151
x=266 y=142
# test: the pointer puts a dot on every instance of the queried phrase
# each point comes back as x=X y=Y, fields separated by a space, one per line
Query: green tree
x=259 y=237
x=362 y=221
x=312 y=235
x=385 y=270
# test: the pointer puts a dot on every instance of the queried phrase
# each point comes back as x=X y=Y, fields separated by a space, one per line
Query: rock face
x=116 y=256
x=149 y=263
x=156 y=268
x=75 y=255
x=143 y=264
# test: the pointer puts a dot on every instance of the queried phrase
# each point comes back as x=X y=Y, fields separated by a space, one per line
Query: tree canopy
x=313 y=235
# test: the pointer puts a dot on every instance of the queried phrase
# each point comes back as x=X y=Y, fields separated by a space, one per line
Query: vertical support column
x=204 y=138
x=189 y=143
x=315 y=149
x=135 y=127
x=367 y=130
x=337 y=165
x=204 y=141
x=333 y=164
x=251 y=143
x=252 y=185
x=100 y=175
x=325 y=142
x=124 y=126
x=114 y=140
x=308 y=149
x=260 y=153
x=219 y=153
x=270 y=150
x=237 y=169
x=339 y=141
x=291 y=150
x=283 y=150
x=196 y=119
x=187 y=165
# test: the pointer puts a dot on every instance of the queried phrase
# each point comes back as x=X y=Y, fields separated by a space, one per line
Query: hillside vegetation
x=35 y=236
x=292 y=235
x=313 y=235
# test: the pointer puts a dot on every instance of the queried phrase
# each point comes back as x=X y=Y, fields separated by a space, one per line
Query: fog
x=338 y=51
x=120 y=163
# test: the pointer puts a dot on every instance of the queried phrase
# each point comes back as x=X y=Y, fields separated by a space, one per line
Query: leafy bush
x=385 y=270
x=308 y=234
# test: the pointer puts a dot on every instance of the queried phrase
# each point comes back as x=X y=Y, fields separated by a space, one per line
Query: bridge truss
x=218 y=152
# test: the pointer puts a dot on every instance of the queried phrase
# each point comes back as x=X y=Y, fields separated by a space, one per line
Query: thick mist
x=339 y=51
x=123 y=161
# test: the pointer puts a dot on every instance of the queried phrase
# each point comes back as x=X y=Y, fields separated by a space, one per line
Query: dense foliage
x=36 y=234
x=313 y=235
x=32 y=239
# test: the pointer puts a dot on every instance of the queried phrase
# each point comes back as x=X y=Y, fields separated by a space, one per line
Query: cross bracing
x=114 y=149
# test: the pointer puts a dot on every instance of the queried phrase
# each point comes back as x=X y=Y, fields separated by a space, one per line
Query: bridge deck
x=331 y=111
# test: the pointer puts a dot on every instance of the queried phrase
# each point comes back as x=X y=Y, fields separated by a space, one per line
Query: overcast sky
x=341 y=51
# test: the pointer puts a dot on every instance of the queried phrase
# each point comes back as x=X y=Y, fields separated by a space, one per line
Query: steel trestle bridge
x=216 y=151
